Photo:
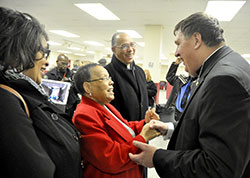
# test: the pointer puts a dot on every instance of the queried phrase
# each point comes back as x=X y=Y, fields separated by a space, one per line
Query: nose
x=111 y=82
x=177 y=53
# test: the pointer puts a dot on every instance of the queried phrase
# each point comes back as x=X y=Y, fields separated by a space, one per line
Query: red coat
x=105 y=142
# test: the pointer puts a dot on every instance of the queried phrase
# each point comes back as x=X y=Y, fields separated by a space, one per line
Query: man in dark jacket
x=212 y=137
x=61 y=72
x=130 y=86
x=177 y=81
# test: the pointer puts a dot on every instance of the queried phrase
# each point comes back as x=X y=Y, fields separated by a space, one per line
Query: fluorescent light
x=94 y=43
x=142 y=44
x=74 y=48
x=98 y=11
x=78 y=54
x=90 y=52
x=224 y=10
x=131 y=33
x=246 y=55
x=63 y=51
x=64 y=33
x=53 y=43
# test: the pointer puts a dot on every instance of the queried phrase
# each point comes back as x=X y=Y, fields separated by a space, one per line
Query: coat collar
x=110 y=120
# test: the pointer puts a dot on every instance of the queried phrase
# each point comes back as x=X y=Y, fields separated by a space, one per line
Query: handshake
x=153 y=127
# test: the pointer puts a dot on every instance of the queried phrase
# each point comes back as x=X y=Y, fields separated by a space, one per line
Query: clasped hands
x=152 y=129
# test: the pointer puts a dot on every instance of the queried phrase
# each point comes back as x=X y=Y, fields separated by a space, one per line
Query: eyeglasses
x=125 y=46
x=64 y=63
x=104 y=78
x=45 y=52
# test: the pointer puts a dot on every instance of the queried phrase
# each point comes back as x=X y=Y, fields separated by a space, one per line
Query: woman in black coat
x=36 y=139
x=151 y=87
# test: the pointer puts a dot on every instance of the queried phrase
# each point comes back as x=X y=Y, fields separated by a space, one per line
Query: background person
x=41 y=144
x=130 y=89
x=61 y=72
x=106 y=136
x=211 y=139
x=151 y=87
x=102 y=62
x=181 y=90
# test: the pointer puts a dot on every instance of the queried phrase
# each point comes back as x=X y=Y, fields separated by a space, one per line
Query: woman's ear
x=197 y=40
x=86 y=87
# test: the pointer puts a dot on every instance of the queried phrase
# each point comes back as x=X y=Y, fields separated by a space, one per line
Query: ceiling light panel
x=63 y=51
x=224 y=10
x=64 y=33
x=97 y=10
x=93 y=43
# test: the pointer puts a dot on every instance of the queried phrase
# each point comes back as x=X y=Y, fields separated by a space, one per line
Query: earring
x=90 y=94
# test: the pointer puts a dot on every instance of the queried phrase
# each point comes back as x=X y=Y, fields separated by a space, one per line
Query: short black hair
x=82 y=75
x=20 y=39
x=207 y=26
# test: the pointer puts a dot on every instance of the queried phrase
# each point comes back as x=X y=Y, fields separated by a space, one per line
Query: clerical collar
x=201 y=68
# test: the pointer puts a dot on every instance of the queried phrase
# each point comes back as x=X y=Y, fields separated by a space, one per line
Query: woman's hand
x=148 y=133
x=151 y=115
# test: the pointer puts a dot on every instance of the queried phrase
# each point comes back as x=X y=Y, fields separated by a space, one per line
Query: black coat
x=152 y=91
x=130 y=88
x=212 y=137
x=54 y=74
x=42 y=146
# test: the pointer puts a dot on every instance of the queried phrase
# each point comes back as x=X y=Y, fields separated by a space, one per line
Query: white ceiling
x=134 y=15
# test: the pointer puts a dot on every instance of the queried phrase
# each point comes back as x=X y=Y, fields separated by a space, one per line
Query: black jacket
x=54 y=74
x=175 y=81
x=44 y=145
x=152 y=91
x=212 y=137
x=130 y=88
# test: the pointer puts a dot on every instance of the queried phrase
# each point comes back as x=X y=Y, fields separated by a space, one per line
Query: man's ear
x=113 y=49
x=197 y=40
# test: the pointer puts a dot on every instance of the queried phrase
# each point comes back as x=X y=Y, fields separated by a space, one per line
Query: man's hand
x=159 y=126
x=178 y=61
x=145 y=158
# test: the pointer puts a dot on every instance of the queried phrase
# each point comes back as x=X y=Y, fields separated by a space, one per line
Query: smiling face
x=187 y=51
x=36 y=73
x=102 y=89
x=125 y=55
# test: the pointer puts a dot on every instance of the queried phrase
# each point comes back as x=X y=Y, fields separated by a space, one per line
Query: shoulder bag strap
x=14 y=92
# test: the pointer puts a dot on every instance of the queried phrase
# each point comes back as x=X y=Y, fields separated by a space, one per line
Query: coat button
x=54 y=116
x=75 y=137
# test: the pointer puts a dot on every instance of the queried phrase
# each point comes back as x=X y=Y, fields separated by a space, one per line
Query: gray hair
x=207 y=26
x=82 y=75
x=20 y=39
x=114 y=38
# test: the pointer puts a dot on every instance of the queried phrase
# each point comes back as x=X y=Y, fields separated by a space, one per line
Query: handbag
x=14 y=92
x=166 y=114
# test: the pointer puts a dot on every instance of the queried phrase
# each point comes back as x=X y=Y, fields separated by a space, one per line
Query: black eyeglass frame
x=103 y=78
x=46 y=53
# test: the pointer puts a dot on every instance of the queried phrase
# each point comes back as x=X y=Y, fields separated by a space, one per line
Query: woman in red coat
x=106 y=138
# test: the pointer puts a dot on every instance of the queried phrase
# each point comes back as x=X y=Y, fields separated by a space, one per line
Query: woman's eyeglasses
x=104 y=78
x=45 y=52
